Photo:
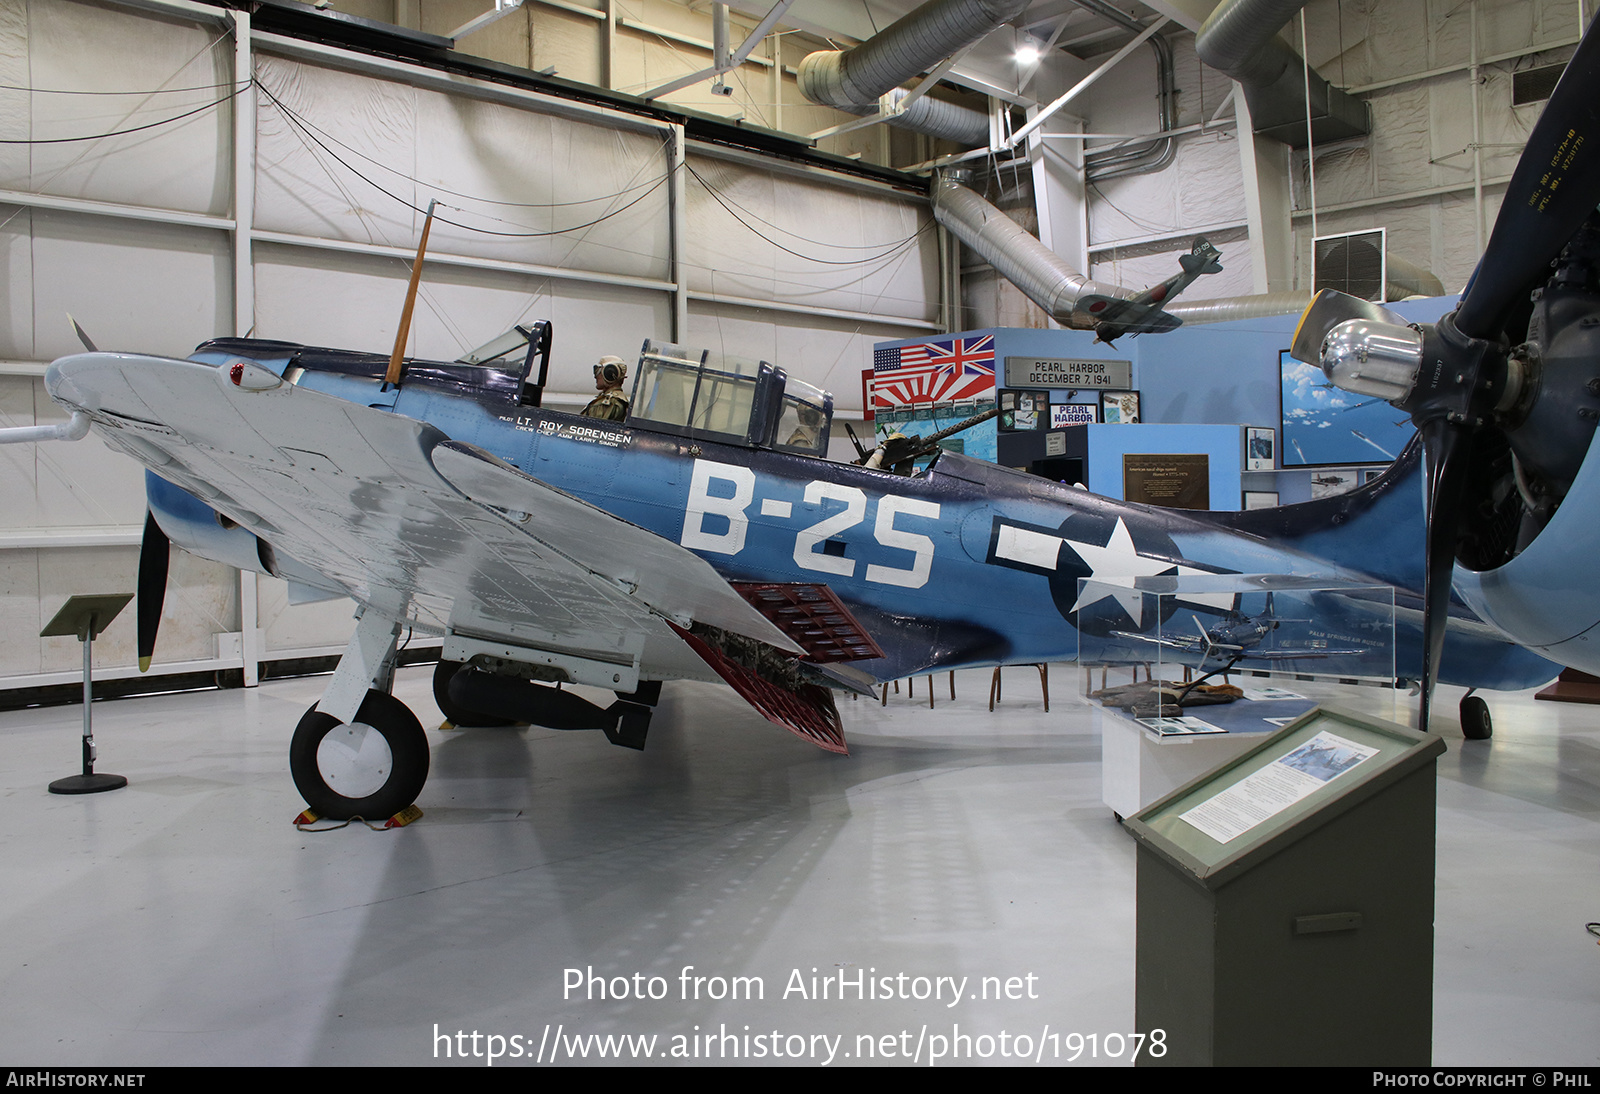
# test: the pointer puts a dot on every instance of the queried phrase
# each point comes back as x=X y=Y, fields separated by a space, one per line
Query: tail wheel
x=372 y=767
x=1476 y=724
x=453 y=711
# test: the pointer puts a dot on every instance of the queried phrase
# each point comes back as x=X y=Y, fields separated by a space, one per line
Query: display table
x=1139 y=765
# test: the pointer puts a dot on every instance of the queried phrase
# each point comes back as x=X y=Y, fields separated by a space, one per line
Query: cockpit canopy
x=688 y=392
x=734 y=400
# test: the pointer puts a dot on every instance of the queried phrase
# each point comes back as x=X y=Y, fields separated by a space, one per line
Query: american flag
x=933 y=372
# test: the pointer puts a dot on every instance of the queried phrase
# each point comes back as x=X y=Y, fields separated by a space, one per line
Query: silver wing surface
x=390 y=511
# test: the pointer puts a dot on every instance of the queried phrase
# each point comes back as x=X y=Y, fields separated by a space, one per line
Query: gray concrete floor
x=184 y=920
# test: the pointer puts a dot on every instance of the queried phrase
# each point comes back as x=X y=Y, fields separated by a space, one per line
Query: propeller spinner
x=1473 y=397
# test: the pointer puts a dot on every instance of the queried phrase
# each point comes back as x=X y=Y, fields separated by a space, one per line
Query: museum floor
x=184 y=920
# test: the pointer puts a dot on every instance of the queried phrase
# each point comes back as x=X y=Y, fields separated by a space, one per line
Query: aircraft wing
x=1298 y=653
x=1181 y=642
x=389 y=511
x=1131 y=316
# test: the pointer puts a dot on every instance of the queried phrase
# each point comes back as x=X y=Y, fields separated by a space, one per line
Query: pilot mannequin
x=808 y=433
x=609 y=375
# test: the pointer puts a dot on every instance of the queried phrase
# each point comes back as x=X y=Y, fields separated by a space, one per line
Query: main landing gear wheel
x=455 y=712
x=1476 y=725
x=372 y=767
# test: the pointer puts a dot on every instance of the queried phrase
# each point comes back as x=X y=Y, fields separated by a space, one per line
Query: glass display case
x=1213 y=661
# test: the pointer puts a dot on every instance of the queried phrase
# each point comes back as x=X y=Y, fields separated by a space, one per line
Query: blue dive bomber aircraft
x=704 y=537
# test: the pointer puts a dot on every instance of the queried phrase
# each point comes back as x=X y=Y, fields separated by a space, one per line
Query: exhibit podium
x=1285 y=901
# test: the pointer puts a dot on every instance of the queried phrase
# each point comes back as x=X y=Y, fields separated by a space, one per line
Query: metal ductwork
x=953 y=122
x=1056 y=287
x=853 y=80
x=1154 y=155
x=1227 y=309
x=1241 y=40
x=1408 y=279
x=1017 y=256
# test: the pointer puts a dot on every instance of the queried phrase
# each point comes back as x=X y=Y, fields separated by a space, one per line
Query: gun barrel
x=935 y=438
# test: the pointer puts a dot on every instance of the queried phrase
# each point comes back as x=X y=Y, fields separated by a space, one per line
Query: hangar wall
x=290 y=209
x=1445 y=136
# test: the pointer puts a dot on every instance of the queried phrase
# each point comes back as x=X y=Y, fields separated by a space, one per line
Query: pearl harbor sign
x=1068 y=372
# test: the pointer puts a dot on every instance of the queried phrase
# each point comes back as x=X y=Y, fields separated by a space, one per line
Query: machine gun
x=899 y=453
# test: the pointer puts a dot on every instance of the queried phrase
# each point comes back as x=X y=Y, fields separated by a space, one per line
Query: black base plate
x=87 y=784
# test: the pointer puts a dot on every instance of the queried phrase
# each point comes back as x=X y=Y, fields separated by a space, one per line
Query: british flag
x=933 y=372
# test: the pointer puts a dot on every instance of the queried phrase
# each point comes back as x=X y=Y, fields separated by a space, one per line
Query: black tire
x=453 y=711
x=1476 y=725
x=376 y=789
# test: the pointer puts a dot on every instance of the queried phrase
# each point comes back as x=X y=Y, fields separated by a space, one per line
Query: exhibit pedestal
x=1285 y=902
x=1137 y=766
x=1193 y=636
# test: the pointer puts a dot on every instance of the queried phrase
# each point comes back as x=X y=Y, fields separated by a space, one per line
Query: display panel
x=1120 y=407
x=1324 y=426
x=1220 y=819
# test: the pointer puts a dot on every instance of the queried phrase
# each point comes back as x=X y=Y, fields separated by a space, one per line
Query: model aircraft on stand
x=1237 y=637
x=706 y=537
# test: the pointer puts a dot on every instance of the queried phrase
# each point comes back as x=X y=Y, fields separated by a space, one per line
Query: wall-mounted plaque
x=1074 y=372
x=1177 y=480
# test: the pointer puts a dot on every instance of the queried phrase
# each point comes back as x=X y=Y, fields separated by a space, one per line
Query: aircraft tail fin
x=1377 y=528
x=1202 y=259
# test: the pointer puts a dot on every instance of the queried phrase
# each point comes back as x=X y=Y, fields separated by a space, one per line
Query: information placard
x=1177 y=480
x=1073 y=372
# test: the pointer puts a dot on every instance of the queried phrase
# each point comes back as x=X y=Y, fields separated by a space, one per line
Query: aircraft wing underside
x=387 y=510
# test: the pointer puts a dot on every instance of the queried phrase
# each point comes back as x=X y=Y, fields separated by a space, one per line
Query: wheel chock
x=404 y=817
x=399 y=820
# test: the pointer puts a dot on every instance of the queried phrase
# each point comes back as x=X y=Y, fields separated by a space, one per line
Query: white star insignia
x=1116 y=561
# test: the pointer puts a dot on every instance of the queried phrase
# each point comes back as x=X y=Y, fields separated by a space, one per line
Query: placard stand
x=86 y=617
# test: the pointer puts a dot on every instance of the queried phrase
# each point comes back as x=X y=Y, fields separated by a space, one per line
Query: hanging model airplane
x=1115 y=317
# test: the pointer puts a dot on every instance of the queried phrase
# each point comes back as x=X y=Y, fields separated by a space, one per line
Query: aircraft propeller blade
x=1445 y=445
x=154 y=553
x=83 y=336
x=1552 y=190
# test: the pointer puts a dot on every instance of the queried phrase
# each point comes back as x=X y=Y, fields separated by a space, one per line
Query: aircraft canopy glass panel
x=803 y=422
x=697 y=393
x=663 y=386
x=726 y=396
